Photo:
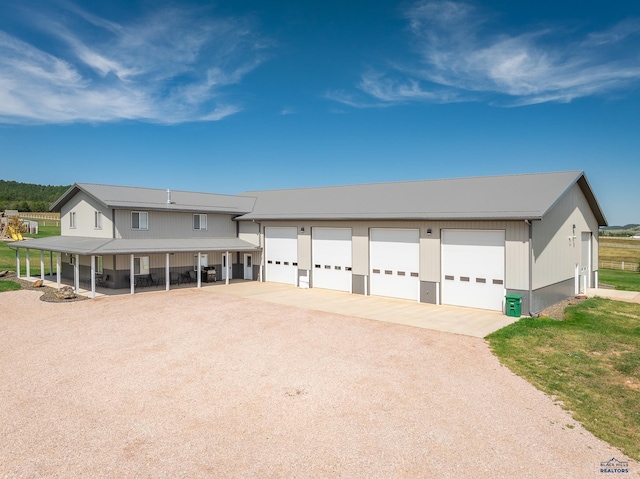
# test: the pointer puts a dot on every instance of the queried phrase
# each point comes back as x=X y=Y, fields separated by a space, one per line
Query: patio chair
x=193 y=277
x=174 y=278
x=153 y=280
x=185 y=277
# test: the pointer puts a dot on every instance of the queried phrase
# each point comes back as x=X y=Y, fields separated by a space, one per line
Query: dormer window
x=97 y=222
x=139 y=220
x=199 y=222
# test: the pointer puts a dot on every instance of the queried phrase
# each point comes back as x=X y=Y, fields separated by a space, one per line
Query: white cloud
x=171 y=66
x=460 y=58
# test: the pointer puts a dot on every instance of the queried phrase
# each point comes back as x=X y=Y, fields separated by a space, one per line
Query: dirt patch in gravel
x=195 y=384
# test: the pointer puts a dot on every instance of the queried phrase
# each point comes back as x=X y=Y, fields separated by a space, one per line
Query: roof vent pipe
x=168 y=196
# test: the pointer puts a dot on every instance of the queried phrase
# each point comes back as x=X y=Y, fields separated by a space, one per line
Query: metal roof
x=126 y=197
x=101 y=246
x=511 y=197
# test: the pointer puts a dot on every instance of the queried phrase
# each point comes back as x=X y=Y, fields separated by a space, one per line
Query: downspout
x=530 y=265
x=261 y=250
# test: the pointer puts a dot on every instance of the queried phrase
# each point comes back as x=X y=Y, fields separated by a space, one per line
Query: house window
x=72 y=219
x=199 y=222
x=139 y=220
x=97 y=220
x=99 y=264
x=141 y=265
x=204 y=261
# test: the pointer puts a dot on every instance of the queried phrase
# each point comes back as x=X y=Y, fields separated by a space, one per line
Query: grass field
x=624 y=280
x=590 y=362
x=8 y=256
x=619 y=249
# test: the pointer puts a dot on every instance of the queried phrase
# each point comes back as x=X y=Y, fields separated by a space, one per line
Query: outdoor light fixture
x=428 y=231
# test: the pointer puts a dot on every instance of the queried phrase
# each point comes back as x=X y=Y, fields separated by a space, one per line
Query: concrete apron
x=451 y=319
x=626 y=296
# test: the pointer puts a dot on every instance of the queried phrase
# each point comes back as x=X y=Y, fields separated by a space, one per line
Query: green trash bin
x=514 y=305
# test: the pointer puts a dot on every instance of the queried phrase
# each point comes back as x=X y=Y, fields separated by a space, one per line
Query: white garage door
x=395 y=263
x=331 y=258
x=281 y=254
x=473 y=268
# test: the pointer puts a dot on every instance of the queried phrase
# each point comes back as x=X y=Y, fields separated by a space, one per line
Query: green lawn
x=8 y=256
x=625 y=280
x=9 y=286
x=590 y=362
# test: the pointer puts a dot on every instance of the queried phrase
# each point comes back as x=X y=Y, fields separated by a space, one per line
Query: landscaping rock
x=66 y=292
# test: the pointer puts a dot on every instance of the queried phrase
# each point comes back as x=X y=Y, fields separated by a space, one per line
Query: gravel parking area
x=190 y=383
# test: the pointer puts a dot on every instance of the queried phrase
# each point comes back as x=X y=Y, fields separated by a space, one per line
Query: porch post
x=131 y=277
x=228 y=268
x=42 y=265
x=28 y=265
x=58 y=268
x=93 y=276
x=50 y=263
x=18 y=262
x=167 y=273
x=76 y=273
x=199 y=268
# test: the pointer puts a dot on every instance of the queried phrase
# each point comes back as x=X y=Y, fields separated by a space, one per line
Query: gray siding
x=85 y=207
x=550 y=295
x=249 y=232
x=555 y=254
x=170 y=225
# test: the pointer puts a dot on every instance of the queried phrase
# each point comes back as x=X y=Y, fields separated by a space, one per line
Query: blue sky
x=231 y=96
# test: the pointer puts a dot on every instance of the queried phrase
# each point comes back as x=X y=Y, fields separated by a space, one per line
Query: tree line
x=28 y=197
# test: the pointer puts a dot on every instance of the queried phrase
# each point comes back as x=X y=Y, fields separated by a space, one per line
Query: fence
x=43 y=218
x=620 y=265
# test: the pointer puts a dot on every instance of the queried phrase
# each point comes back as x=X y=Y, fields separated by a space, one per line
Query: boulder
x=38 y=284
x=66 y=292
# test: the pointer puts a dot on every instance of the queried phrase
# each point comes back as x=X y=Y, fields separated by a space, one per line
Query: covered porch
x=98 y=266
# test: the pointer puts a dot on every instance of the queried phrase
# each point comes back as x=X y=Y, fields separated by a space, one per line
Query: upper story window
x=139 y=220
x=72 y=219
x=199 y=222
x=97 y=224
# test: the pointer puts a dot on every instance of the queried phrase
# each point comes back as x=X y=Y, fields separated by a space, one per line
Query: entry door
x=248 y=266
x=585 y=261
x=227 y=268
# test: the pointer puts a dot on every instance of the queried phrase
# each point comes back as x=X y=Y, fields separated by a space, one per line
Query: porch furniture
x=209 y=275
x=174 y=278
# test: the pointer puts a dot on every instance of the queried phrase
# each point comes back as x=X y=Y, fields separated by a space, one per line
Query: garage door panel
x=473 y=268
x=332 y=252
x=395 y=261
x=281 y=255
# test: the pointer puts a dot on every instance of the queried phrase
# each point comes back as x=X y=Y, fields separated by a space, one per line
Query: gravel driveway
x=193 y=384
